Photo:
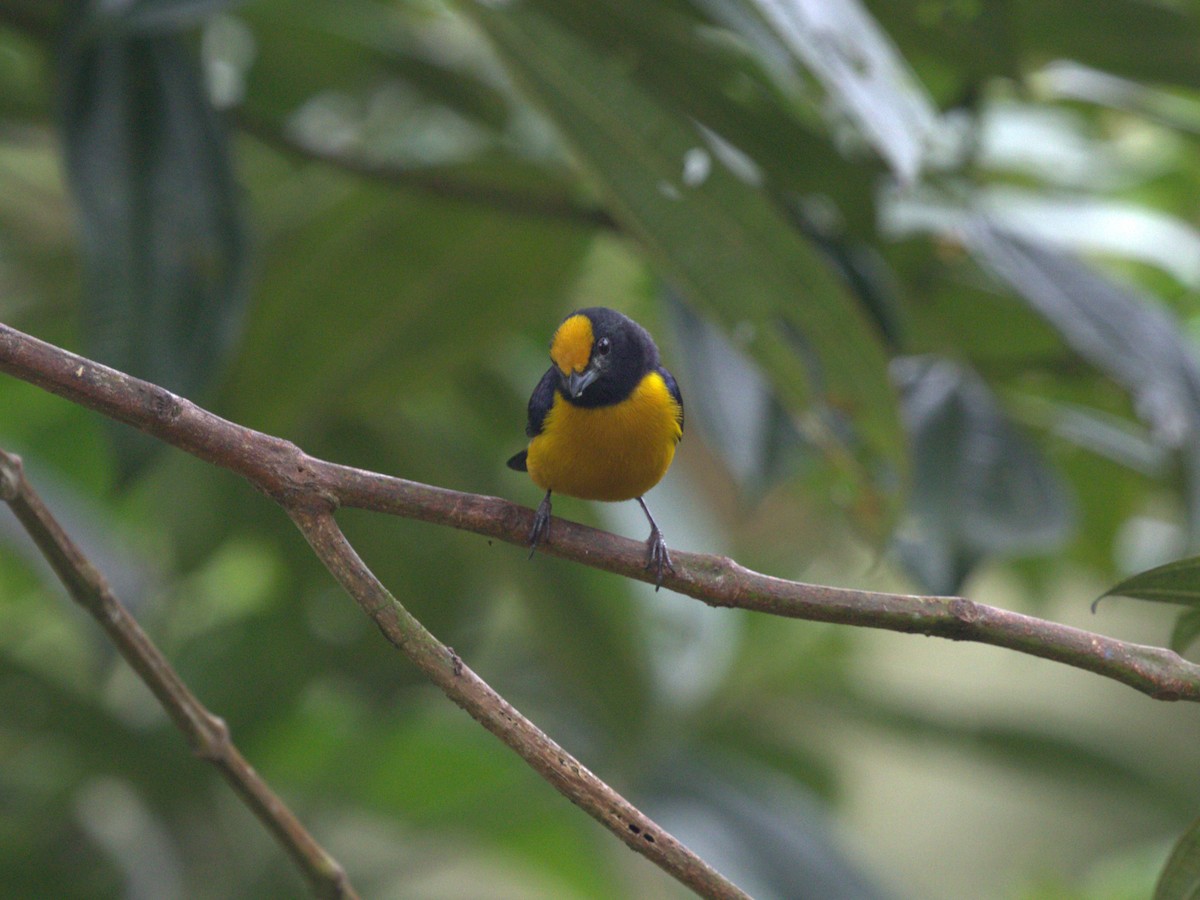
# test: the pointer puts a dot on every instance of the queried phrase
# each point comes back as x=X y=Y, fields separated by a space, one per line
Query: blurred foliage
x=926 y=271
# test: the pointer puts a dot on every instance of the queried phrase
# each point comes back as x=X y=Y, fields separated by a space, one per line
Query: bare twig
x=445 y=669
x=285 y=472
x=207 y=734
x=310 y=490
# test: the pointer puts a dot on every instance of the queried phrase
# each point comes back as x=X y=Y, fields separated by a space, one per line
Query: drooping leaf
x=1180 y=878
x=860 y=265
x=731 y=401
x=862 y=72
x=974 y=41
x=980 y=488
x=719 y=240
x=1105 y=435
x=766 y=832
x=737 y=84
x=1027 y=140
x=1096 y=32
x=1117 y=329
x=163 y=240
x=1107 y=323
x=1176 y=582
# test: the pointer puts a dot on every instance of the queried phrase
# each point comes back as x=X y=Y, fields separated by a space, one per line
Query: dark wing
x=540 y=402
x=673 y=387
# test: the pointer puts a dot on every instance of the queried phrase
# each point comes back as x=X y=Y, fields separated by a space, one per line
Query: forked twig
x=207 y=734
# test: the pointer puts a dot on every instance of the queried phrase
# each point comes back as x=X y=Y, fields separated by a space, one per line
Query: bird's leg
x=541 y=525
x=657 y=558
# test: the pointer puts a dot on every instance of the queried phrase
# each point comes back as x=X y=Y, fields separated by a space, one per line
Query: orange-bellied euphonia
x=603 y=421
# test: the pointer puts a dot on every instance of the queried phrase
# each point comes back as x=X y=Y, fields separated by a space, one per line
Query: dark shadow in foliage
x=161 y=229
x=979 y=488
x=1121 y=331
x=758 y=826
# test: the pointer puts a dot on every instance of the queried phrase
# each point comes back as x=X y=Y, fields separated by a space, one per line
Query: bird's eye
x=603 y=346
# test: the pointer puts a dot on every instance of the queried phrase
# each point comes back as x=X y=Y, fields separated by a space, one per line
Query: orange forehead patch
x=572 y=345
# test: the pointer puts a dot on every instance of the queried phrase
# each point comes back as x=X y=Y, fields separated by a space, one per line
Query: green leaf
x=773 y=828
x=24 y=84
x=695 y=204
x=148 y=17
x=972 y=41
x=734 y=87
x=857 y=64
x=732 y=404
x=980 y=487
x=1118 y=328
x=374 y=270
x=1097 y=33
x=1186 y=630
x=1131 y=337
x=1180 y=878
x=1176 y=582
x=163 y=240
x=299 y=54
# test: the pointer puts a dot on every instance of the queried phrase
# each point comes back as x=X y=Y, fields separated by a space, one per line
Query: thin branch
x=308 y=489
x=283 y=471
x=207 y=734
x=445 y=669
x=431 y=181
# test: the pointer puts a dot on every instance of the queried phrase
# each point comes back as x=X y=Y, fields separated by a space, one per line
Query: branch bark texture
x=296 y=480
x=310 y=490
x=445 y=669
x=206 y=733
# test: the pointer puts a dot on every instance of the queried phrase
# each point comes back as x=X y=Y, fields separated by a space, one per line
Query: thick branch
x=310 y=489
x=282 y=470
x=207 y=734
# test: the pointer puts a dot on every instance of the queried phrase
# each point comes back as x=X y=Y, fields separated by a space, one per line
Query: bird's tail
x=517 y=463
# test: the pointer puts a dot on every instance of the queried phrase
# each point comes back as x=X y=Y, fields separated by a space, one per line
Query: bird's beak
x=577 y=382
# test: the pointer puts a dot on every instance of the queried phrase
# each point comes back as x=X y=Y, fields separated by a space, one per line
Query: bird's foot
x=657 y=558
x=541 y=525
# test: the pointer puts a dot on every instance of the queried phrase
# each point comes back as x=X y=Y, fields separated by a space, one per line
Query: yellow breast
x=610 y=453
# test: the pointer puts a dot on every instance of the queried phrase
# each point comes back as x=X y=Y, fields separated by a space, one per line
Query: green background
x=927 y=275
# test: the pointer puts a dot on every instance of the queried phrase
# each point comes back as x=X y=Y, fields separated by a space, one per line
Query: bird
x=604 y=421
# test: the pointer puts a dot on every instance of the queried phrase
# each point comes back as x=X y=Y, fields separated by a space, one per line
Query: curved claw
x=541 y=525
x=657 y=557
